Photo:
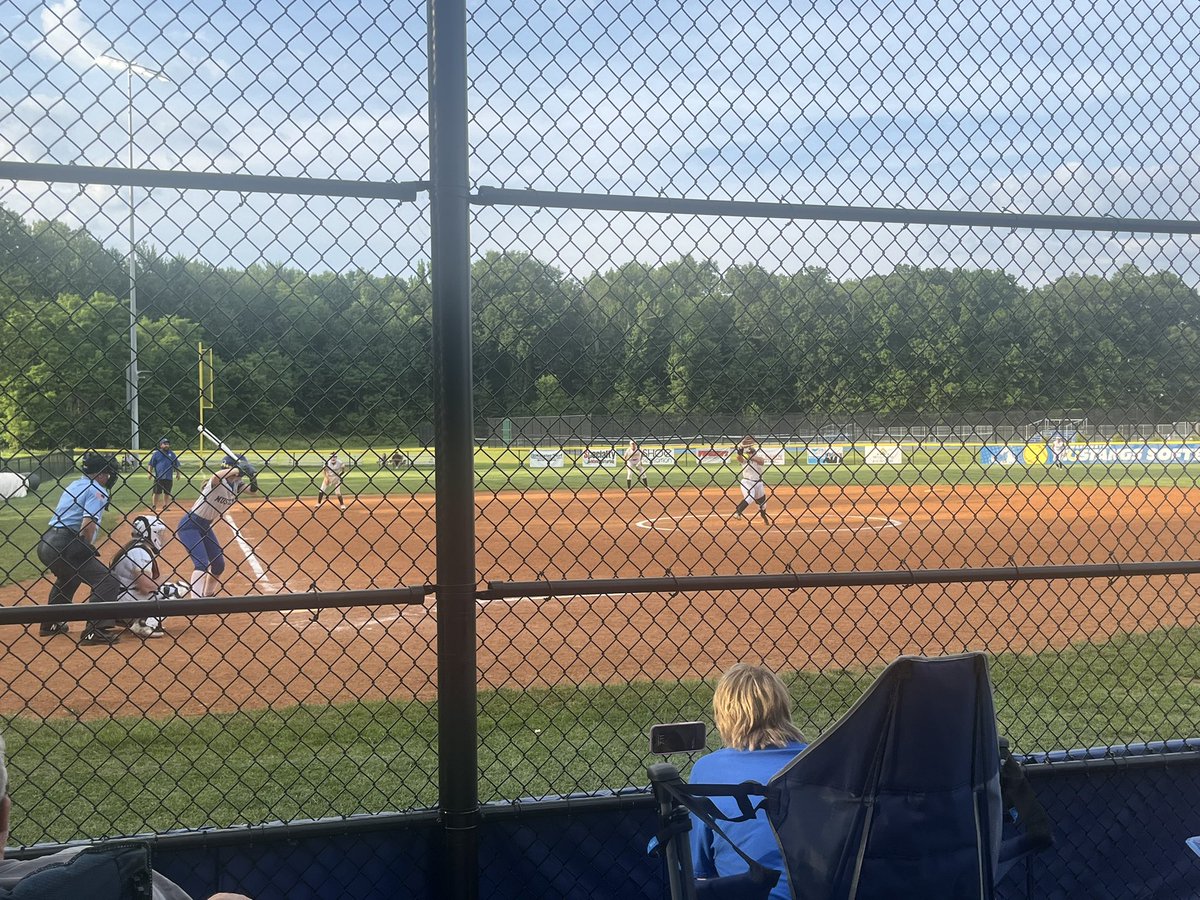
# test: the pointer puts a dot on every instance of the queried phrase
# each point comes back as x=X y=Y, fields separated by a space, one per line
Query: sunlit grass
x=123 y=776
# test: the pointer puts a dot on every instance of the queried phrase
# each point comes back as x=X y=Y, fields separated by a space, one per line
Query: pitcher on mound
x=754 y=462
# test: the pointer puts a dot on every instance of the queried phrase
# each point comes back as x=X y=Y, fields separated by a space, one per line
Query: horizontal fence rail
x=201 y=606
x=404 y=191
x=498 y=196
x=797 y=581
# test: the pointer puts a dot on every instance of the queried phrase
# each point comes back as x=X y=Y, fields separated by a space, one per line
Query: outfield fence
x=479 y=251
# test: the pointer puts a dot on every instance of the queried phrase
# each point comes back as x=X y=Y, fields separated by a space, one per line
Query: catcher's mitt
x=174 y=590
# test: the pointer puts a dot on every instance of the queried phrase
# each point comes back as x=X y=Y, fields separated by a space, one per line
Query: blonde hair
x=752 y=709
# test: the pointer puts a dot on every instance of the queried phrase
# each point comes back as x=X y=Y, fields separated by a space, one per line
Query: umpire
x=68 y=548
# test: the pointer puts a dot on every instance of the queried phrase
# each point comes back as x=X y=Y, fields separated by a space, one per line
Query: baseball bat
x=216 y=440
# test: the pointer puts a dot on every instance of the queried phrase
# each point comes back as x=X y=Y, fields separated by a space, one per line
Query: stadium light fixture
x=130 y=69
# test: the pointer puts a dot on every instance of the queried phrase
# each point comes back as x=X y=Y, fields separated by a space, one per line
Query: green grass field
x=123 y=776
x=22 y=521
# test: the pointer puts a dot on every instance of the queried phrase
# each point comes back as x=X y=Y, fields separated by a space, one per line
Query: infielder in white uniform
x=635 y=466
x=754 y=462
x=331 y=481
x=195 y=530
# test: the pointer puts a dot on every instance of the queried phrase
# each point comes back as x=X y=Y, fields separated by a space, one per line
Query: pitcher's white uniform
x=754 y=462
x=753 y=488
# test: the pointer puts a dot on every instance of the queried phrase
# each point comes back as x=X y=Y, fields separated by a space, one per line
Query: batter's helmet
x=248 y=471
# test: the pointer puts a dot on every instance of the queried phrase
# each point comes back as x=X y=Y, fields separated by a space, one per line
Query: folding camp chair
x=900 y=798
x=117 y=871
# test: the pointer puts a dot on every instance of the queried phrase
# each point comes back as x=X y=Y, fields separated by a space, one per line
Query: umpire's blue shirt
x=165 y=465
x=83 y=498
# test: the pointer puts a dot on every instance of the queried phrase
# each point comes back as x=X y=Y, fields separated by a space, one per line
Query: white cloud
x=847 y=104
x=70 y=34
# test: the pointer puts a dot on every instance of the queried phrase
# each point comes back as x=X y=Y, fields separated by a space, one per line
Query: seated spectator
x=753 y=714
x=12 y=871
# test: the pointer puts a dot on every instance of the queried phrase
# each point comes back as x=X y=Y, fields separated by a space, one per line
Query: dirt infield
x=248 y=661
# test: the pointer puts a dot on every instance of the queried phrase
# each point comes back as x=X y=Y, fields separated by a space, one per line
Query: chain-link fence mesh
x=783 y=289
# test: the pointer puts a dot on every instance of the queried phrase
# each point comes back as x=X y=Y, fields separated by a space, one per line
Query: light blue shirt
x=82 y=499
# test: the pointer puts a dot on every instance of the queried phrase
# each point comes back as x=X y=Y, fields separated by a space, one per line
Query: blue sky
x=1048 y=107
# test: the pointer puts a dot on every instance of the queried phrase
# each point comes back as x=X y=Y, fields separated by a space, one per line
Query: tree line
x=349 y=354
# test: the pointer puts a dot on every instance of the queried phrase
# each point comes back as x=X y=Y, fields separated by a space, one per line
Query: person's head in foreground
x=752 y=709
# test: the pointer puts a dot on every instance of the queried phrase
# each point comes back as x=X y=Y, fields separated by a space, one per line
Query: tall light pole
x=131 y=373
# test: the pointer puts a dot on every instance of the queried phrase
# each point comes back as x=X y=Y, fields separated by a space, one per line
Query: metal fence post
x=451 y=282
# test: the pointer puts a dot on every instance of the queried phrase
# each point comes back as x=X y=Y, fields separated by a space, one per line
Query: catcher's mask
x=149 y=529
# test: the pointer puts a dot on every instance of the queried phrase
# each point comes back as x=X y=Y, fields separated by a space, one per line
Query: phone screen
x=678 y=737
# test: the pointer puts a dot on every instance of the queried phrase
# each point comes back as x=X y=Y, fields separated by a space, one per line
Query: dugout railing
x=585 y=224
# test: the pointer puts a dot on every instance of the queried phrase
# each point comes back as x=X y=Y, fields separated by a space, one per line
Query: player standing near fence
x=754 y=462
x=195 y=530
x=635 y=466
x=1058 y=448
x=68 y=548
x=331 y=481
x=162 y=466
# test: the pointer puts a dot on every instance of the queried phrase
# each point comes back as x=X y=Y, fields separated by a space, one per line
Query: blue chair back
x=901 y=797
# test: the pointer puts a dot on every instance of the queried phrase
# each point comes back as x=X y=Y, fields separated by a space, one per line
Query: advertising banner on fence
x=884 y=455
x=713 y=456
x=600 y=457
x=1144 y=454
x=1002 y=456
x=825 y=454
x=545 y=459
x=658 y=456
x=776 y=456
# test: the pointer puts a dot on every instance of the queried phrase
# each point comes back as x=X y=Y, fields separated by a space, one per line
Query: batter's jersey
x=215 y=499
x=134 y=562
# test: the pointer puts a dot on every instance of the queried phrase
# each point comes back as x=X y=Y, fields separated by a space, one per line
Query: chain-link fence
x=448 y=395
